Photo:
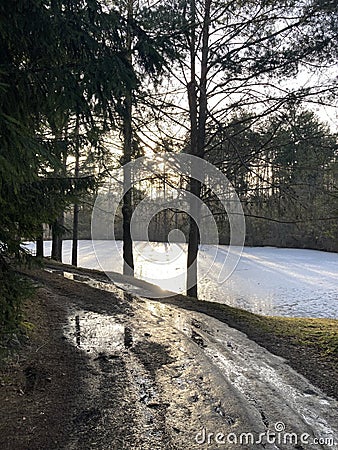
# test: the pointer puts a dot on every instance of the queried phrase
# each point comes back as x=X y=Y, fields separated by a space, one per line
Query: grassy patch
x=320 y=333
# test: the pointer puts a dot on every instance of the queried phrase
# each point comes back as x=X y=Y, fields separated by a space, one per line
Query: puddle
x=96 y=332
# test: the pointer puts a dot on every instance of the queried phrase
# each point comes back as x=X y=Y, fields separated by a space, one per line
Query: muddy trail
x=110 y=370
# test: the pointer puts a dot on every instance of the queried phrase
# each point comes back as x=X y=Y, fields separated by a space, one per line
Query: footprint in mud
x=198 y=339
x=200 y=326
x=195 y=323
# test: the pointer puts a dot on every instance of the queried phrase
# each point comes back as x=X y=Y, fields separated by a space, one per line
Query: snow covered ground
x=270 y=281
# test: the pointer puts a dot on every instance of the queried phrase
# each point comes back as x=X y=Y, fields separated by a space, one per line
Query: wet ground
x=113 y=371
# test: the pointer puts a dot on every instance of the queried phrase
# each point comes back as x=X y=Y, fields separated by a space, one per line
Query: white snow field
x=269 y=281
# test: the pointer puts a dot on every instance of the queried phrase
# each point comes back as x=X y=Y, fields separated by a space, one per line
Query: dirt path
x=110 y=371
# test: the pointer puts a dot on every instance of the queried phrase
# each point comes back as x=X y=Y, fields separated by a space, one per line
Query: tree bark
x=57 y=240
x=76 y=206
x=39 y=245
x=198 y=116
x=58 y=225
x=128 y=258
x=192 y=98
x=75 y=235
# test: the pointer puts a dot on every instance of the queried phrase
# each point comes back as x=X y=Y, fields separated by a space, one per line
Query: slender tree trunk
x=75 y=234
x=57 y=241
x=128 y=259
x=198 y=116
x=165 y=212
x=192 y=281
x=193 y=112
x=76 y=206
x=58 y=225
x=39 y=244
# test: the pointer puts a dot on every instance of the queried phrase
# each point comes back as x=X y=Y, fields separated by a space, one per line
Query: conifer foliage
x=58 y=59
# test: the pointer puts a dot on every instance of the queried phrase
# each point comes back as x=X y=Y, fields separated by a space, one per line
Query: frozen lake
x=269 y=281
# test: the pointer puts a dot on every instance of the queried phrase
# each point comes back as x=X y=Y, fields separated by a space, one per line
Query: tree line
x=284 y=171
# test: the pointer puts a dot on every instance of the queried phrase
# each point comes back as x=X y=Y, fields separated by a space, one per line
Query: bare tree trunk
x=75 y=235
x=192 y=281
x=57 y=241
x=39 y=244
x=198 y=115
x=58 y=225
x=76 y=206
x=128 y=259
x=192 y=97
